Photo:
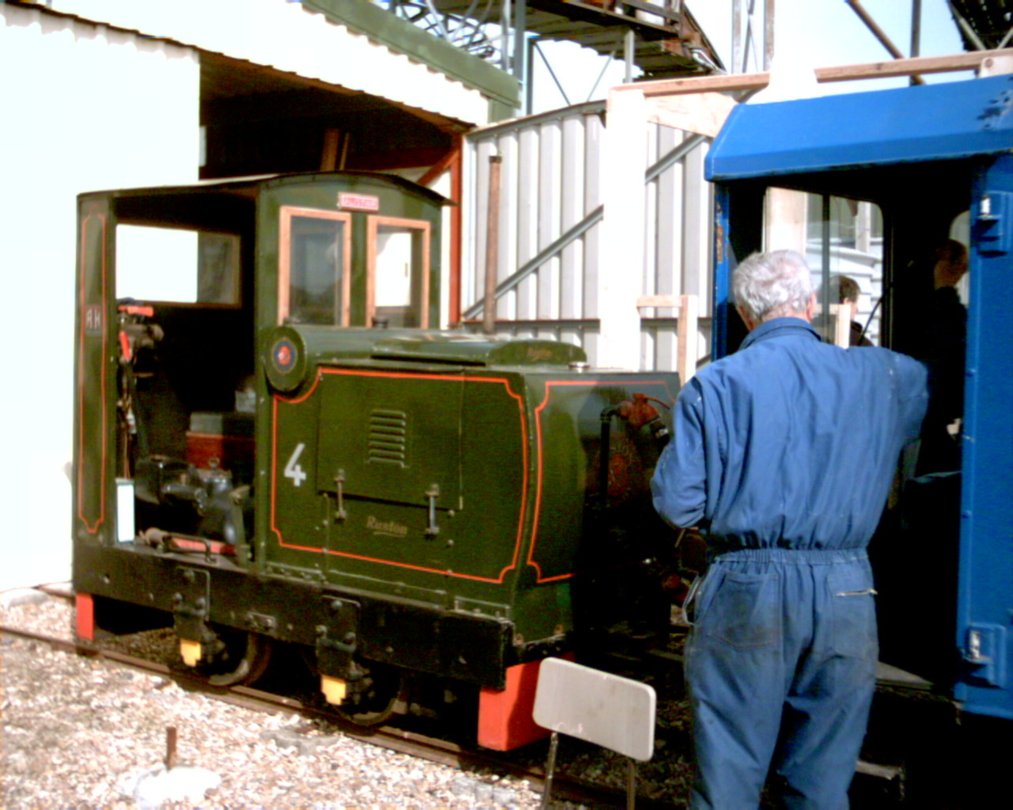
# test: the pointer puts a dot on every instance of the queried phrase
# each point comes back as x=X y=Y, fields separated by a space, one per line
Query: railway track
x=585 y=775
x=568 y=788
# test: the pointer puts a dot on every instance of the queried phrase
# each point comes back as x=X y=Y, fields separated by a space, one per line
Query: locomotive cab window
x=177 y=265
x=314 y=266
x=398 y=261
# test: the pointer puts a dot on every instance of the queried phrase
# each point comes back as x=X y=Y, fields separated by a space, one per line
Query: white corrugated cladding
x=84 y=107
x=288 y=37
x=555 y=189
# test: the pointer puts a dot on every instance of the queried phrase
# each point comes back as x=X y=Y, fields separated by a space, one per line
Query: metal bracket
x=337 y=639
x=339 y=484
x=994 y=222
x=985 y=653
x=191 y=602
x=432 y=494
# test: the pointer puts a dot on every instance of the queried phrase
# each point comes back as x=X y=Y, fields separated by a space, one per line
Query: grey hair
x=772 y=285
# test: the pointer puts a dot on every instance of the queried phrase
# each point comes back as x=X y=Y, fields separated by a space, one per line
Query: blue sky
x=820 y=33
x=829 y=31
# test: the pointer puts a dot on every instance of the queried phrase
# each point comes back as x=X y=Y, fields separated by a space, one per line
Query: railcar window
x=314 y=272
x=177 y=265
x=844 y=248
x=399 y=272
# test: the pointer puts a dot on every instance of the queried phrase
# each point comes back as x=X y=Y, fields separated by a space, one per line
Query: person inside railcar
x=943 y=346
x=769 y=461
x=846 y=292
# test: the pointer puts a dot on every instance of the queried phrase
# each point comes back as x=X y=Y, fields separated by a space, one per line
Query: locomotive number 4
x=293 y=469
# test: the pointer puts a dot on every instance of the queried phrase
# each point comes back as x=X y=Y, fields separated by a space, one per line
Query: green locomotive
x=273 y=448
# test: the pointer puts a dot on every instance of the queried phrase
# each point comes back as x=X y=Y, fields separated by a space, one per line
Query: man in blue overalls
x=784 y=453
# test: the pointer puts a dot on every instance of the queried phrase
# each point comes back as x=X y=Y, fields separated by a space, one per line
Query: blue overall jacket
x=790 y=442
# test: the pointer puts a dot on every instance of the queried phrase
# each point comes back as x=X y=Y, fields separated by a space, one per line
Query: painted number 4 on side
x=293 y=469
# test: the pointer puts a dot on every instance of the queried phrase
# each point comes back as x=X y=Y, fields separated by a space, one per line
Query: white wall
x=84 y=108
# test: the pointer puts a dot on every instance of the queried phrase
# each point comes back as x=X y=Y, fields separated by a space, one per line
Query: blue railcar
x=929 y=162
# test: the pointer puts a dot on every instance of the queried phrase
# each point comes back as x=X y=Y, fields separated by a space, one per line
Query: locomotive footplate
x=407 y=634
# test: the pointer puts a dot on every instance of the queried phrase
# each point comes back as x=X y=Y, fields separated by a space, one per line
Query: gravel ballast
x=85 y=732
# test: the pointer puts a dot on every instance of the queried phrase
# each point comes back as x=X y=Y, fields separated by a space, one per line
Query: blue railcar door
x=985 y=582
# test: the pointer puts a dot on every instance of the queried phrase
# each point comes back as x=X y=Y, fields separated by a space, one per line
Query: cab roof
x=947 y=121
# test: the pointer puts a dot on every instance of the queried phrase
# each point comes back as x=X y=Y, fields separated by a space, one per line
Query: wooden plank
x=659 y=301
x=909 y=67
x=700 y=84
x=867 y=70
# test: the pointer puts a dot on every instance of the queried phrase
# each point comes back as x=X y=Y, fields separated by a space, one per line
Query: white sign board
x=608 y=710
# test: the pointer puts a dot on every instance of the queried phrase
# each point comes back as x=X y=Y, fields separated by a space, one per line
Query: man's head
x=951 y=264
x=773 y=285
x=847 y=292
x=847 y=289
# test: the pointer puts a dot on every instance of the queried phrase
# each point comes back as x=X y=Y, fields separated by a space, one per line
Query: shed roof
x=349 y=45
x=945 y=121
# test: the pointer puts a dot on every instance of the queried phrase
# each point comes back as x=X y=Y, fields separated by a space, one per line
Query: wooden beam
x=688 y=337
x=457 y=197
x=329 y=158
x=443 y=165
x=842 y=325
x=700 y=84
x=842 y=73
x=910 y=67
x=703 y=113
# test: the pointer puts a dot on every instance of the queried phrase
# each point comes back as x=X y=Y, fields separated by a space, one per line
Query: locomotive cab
x=169 y=275
x=174 y=286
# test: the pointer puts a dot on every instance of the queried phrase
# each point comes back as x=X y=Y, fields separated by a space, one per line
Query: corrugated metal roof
x=291 y=39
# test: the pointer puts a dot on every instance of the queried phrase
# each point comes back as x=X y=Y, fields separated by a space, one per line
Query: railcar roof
x=946 y=121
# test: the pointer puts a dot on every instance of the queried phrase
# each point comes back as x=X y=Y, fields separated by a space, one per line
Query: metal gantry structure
x=656 y=39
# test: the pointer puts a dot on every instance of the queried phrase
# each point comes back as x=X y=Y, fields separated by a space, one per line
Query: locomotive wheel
x=374 y=698
x=243 y=659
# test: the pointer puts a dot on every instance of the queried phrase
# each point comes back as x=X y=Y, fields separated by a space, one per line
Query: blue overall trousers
x=782 y=657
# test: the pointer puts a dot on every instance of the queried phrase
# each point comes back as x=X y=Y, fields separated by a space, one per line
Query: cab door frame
x=985 y=578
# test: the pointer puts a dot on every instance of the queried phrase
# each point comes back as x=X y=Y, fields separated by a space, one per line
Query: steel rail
x=403 y=741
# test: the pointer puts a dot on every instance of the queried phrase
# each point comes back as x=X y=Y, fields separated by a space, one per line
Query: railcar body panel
x=985 y=593
x=930 y=158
